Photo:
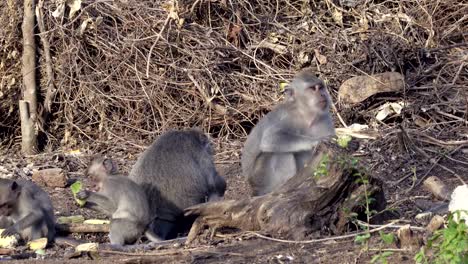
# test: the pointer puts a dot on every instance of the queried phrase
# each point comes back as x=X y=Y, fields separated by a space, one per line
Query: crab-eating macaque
x=25 y=210
x=283 y=141
x=177 y=171
x=119 y=198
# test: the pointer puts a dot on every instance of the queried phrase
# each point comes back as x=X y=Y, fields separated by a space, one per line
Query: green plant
x=363 y=180
x=382 y=257
x=322 y=168
x=449 y=245
x=344 y=140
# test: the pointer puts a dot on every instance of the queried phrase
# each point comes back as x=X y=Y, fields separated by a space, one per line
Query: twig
x=324 y=239
x=148 y=60
x=48 y=58
x=82 y=228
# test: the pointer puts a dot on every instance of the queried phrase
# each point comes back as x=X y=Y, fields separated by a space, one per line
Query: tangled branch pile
x=130 y=69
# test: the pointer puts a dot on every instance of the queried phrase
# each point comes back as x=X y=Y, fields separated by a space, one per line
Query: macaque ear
x=14 y=186
x=110 y=166
x=288 y=92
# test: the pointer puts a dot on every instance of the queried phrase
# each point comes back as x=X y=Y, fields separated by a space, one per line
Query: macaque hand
x=83 y=194
x=10 y=231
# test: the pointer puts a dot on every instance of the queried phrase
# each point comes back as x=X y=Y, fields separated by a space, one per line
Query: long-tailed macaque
x=26 y=210
x=282 y=142
x=177 y=171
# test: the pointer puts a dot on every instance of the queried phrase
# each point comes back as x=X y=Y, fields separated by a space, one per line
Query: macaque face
x=311 y=92
x=317 y=96
x=9 y=192
x=97 y=174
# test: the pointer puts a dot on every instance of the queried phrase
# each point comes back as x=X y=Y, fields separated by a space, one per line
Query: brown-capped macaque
x=283 y=141
x=119 y=198
x=25 y=210
x=177 y=171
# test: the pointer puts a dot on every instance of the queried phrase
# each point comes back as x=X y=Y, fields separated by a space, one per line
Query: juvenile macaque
x=177 y=171
x=26 y=210
x=119 y=198
x=282 y=142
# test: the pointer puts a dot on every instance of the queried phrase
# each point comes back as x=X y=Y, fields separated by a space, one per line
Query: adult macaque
x=26 y=210
x=177 y=171
x=282 y=142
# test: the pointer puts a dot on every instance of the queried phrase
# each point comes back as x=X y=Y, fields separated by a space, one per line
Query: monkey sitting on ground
x=177 y=171
x=25 y=209
x=119 y=198
x=283 y=141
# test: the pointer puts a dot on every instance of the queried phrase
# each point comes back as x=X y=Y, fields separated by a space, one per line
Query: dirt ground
x=236 y=247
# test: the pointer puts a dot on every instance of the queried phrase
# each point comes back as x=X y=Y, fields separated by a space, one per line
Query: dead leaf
x=59 y=11
x=37 y=244
x=233 y=35
x=320 y=58
x=75 y=6
x=87 y=247
x=337 y=16
x=389 y=108
x=8 y=242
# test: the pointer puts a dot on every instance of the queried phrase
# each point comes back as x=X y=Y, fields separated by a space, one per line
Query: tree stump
x=327 y=193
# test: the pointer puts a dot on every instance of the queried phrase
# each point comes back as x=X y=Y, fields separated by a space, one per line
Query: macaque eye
x=315 y=88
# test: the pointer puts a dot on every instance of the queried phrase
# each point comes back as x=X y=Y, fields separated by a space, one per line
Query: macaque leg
x=123 y=231
x=272 y=170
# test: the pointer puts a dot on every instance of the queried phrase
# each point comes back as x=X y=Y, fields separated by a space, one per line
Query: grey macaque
x=283 y=141
x=25 y=210
x=177 y=171
x=119 y=198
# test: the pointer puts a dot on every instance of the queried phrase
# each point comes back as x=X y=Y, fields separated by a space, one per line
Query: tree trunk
x=323 y=194
x=28 y=106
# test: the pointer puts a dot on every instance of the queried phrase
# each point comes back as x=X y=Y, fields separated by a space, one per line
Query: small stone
x=437 y=187
x=54 y=177
x=436 y=222
x=407 y=239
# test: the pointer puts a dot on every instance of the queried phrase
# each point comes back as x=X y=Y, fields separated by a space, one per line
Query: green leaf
x=282 y=86
x=375 y=258
x=344 y=140
x=362 y=238
x=75 y=188
x=387 y=238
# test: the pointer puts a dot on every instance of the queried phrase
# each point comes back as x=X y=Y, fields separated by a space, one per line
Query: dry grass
x=142 y=67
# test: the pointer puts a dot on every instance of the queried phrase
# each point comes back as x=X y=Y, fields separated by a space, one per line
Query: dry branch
x=28 y=106
x=48 y=58
x=82 y=228
x=322 y=195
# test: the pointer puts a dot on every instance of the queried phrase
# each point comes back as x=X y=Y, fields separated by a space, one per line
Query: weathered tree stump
x=327 y=193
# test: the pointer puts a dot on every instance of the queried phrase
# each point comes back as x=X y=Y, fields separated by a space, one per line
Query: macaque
x=119 y=198
x=177 y=171
x=25 y=210
x=283 y=141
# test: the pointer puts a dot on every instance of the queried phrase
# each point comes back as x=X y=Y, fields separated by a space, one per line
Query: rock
x=437 y=188
x=359 y=88
x=436 y=223
x=407 y=239
x=54 y=177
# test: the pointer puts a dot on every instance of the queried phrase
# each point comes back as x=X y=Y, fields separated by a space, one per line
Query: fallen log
x=326 y=194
